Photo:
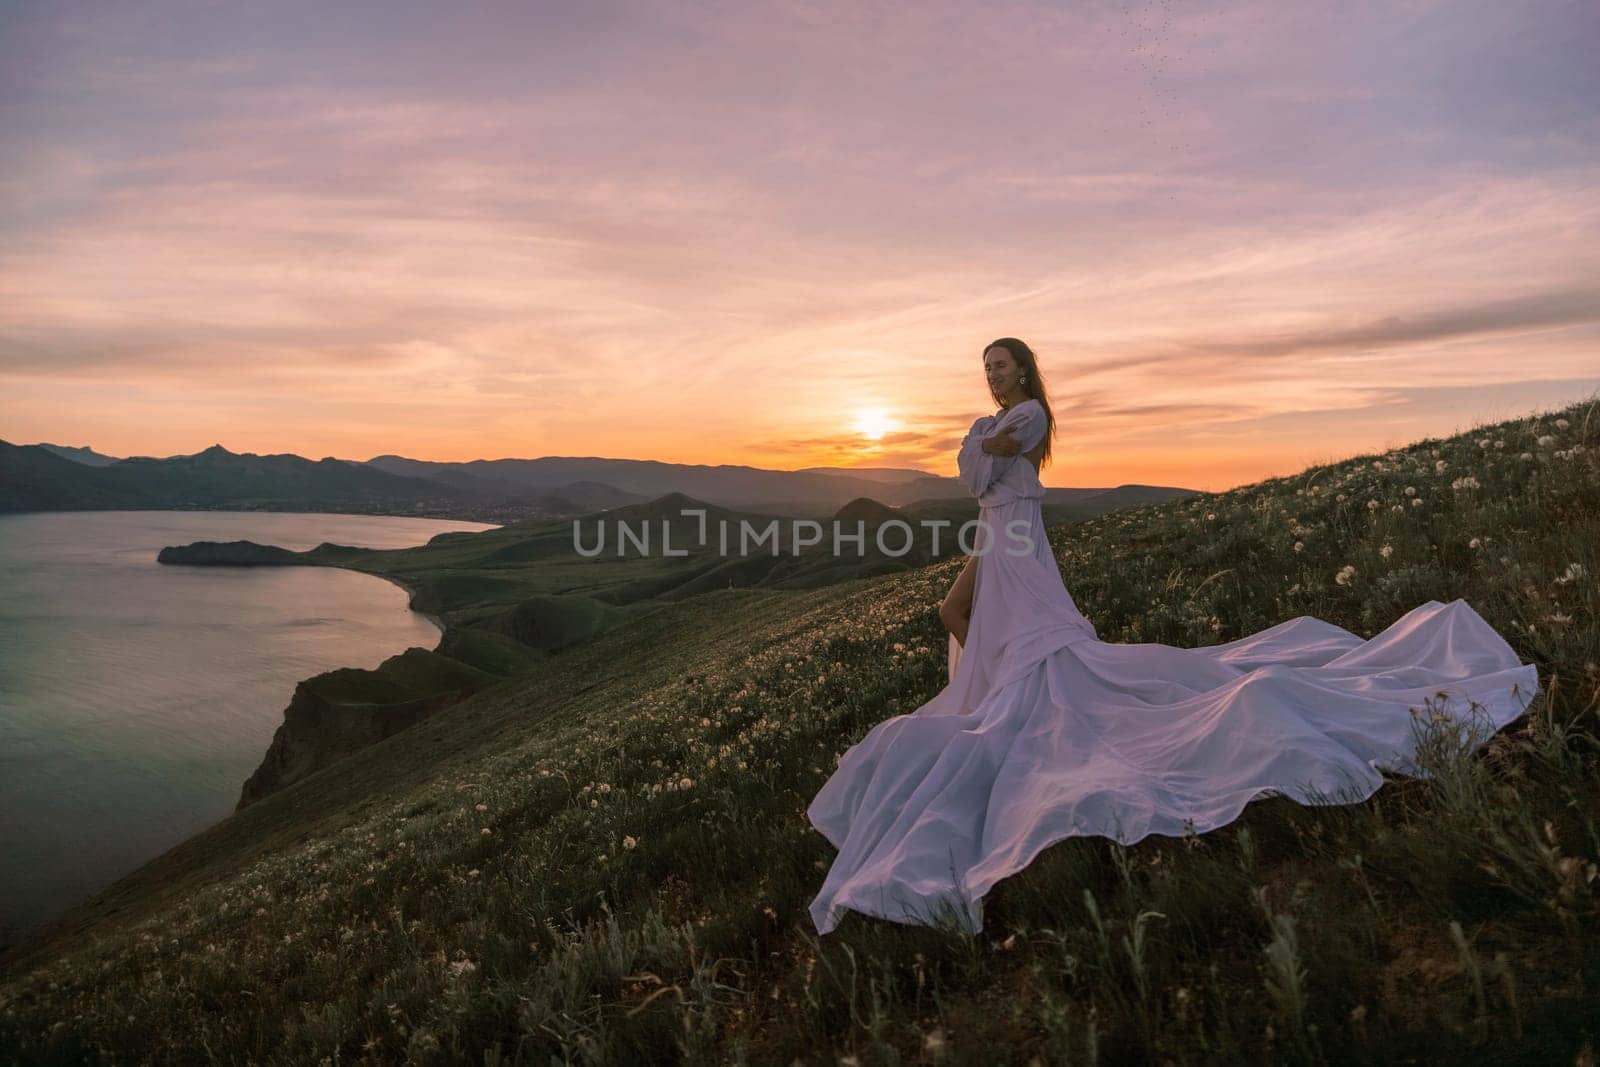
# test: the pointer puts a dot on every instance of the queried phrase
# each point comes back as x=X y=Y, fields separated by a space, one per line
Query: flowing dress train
x=1044 y=731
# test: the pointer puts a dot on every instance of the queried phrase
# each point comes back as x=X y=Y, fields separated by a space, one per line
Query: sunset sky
x=1243 y=238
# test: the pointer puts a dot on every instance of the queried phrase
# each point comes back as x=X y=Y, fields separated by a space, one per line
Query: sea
x=136 y=697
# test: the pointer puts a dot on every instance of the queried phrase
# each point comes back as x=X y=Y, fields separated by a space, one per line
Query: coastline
x=318 y=729
x=410 y=594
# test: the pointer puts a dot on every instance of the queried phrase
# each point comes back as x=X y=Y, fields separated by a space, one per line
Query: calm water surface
x=137 y=697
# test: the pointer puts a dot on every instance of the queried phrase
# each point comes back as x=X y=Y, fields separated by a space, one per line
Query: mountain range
x=49 y=477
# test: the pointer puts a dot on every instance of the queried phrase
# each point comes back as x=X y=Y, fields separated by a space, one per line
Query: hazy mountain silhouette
x=78 y=454
x=55 y=478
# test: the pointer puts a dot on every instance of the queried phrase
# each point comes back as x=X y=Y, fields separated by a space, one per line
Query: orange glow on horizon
x=1111 y=450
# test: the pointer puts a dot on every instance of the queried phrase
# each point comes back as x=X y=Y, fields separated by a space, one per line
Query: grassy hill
x=612 y=863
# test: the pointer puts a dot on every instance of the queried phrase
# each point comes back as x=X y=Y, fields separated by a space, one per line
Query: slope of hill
x=34 y=478
x=611 y=862
x=79 y=454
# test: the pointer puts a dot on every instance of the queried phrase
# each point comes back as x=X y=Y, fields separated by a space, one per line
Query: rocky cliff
x=339 y=712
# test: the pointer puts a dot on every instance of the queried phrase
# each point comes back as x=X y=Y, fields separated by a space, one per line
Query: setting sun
x=874 y=423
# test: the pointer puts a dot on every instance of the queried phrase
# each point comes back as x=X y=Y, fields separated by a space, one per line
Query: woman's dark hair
x=1028 y=364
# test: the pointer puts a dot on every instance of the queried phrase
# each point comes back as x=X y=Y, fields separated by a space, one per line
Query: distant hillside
x=601 y=855
x=35 y=478
x=498 y=491
x=729 y=485
x=813 y=492
x=884 y=475
x=87 y=456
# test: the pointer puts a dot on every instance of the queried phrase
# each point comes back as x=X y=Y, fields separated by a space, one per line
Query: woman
x=1045 y=731
x=1010 y=499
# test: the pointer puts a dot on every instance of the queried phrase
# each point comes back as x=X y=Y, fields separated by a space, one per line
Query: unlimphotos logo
x=893 y=537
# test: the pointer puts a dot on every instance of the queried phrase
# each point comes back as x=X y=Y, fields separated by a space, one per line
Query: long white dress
x=1045 y=731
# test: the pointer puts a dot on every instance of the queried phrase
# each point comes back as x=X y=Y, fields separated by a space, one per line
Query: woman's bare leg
x=956 y=609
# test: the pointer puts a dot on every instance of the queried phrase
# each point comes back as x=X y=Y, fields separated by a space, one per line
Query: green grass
x=608 y=860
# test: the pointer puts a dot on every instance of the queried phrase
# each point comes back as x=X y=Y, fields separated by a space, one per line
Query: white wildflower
x=1573 y=573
